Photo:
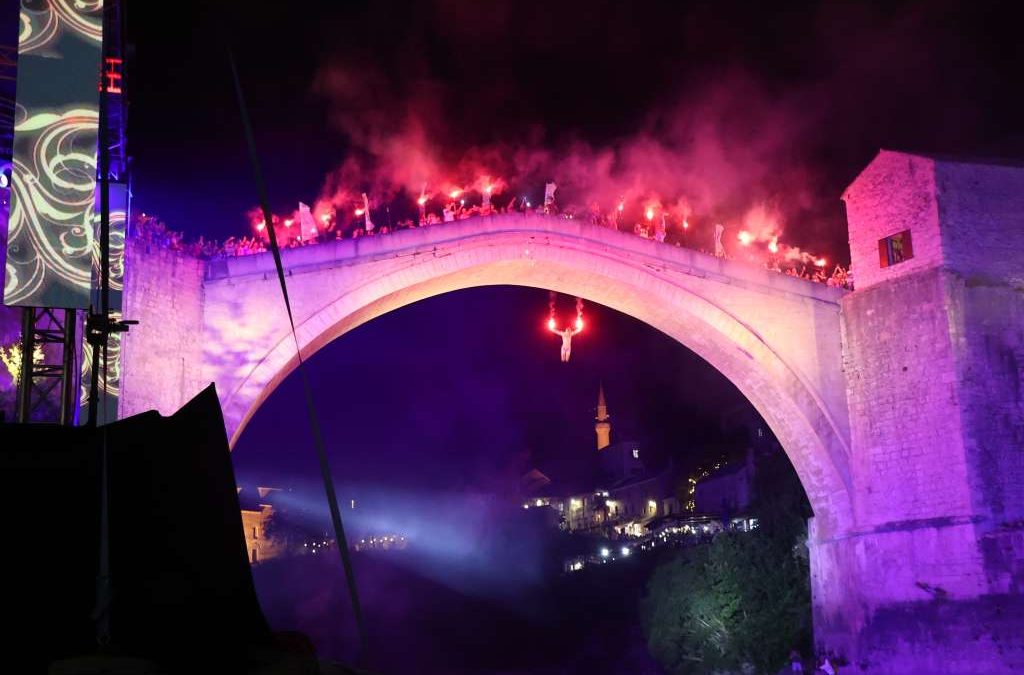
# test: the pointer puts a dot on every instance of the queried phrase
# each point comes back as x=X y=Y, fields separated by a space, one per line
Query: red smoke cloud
x=722 y=154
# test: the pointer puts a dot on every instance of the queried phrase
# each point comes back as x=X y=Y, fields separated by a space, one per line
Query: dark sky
x=775 y=103
x=752 y=104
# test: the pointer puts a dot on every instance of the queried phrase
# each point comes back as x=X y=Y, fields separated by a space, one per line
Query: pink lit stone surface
x=929 y=578
x=899 y=404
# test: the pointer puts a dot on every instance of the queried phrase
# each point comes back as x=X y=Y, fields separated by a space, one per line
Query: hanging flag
x=306 y=223
x=719 y=248
x=366 y=214
x=549 y=193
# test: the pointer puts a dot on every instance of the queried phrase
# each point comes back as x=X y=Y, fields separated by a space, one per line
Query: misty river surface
x=479 y=615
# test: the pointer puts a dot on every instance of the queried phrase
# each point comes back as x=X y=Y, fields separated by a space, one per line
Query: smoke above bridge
x=725 y=154
x=671 y=115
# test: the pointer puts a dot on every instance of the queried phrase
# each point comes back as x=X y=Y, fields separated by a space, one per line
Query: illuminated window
x=636 y=453
x=895 y=249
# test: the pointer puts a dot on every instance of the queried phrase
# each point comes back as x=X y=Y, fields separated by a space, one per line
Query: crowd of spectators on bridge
x=152 y=232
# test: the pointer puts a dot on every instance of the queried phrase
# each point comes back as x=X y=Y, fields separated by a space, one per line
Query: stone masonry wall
x=162 y=356
x=988 y=333
x=908 y=457
x=981 y=215
x=930 y=578
x=895 y=192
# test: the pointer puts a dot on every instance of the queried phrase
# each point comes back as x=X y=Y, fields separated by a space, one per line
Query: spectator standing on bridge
x=660 y=229
x=366 y=214
x=566 y=334
x=549 y=197
x=825 y=666
x=719 y=248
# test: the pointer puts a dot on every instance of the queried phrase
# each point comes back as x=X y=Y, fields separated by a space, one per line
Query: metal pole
x=101 y=314
x=69 y=391
x=25 y=378
x=101 y=612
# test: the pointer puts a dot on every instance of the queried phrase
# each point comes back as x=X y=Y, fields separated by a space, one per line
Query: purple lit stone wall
x=928 y=579
x=162 y=357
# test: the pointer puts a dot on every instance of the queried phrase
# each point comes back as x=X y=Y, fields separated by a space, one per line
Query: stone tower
x=602 y=426
x=932 y=567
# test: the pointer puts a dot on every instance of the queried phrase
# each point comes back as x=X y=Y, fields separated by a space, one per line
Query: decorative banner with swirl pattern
x=51 y=242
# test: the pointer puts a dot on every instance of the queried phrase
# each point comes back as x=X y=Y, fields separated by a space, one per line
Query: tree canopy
x=743 y=600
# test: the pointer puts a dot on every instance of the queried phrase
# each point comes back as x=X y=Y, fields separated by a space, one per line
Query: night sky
x=465 y=391
x=799 y=96
x=774 y=104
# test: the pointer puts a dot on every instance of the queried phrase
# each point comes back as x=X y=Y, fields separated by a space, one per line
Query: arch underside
x=675 y=305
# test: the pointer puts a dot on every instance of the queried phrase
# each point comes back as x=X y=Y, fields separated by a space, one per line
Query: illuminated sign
x=111 y=75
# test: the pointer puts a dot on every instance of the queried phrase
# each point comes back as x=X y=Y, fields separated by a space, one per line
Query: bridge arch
x=776 y=338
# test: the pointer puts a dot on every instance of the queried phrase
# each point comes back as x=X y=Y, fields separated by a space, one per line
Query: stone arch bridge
x=877 y=396
x=774 y=336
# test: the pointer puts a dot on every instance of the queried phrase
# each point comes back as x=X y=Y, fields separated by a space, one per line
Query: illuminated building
x=385 y=542
x=617 y=460
x=602 y=427
x=728 y=489
x=257 y=510
x=629 y=496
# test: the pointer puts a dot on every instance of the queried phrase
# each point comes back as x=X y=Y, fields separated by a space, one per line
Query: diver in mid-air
x=566 y=333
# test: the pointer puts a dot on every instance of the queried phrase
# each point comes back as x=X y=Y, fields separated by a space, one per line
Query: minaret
x=603 y=427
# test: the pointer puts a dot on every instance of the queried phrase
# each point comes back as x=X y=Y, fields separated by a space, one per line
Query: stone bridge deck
x=437 y=240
